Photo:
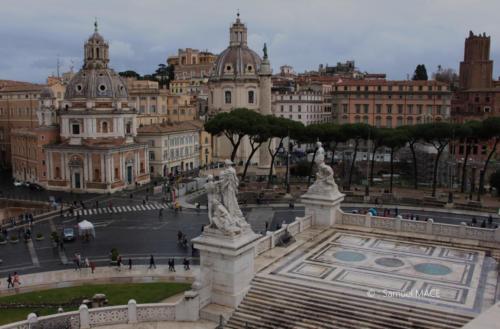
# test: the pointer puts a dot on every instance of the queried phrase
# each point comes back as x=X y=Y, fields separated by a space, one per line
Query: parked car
x=18 y=183
x=36 y=187
x=68 y=234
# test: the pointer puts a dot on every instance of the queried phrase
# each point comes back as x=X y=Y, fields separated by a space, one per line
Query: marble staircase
x=272 y=303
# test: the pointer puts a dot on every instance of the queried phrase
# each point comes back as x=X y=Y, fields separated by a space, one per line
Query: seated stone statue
x=223 y=210
x=324 y=182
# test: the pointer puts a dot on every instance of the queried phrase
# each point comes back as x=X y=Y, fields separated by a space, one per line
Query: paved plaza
x=382 y=268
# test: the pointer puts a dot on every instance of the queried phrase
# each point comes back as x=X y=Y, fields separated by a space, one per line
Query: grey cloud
x=388 y=36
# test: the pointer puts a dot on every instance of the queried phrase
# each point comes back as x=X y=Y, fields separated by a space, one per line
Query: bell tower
x=238 y=33
x=96 y=51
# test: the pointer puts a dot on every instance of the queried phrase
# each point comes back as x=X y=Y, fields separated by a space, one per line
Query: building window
x=299 y=108
x=151 y=155
x=58 y=173
x=378 y=108
x=388 y=122
x=227 y=97
x=378 y=122
x=117 y=174
x=104 y=127
x=142 y=167
x=97 y=175
x=389 y=108
x=128 y=128
x=75 y=128
x=358 y=108
x=251 y=95
x=400 y=108
x=365 y=108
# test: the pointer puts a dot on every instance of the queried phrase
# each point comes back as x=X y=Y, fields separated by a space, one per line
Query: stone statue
x=265 y=50
x=324 y=182
x=223 y=209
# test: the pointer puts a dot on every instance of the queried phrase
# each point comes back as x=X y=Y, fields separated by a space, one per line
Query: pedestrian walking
x=267 y=225
x=61 y=244
x=152 y=262
x=490 y=220
x=171 y=265
x=130 y=263
x=92 y=267
x=186 y=264
x=16 y=281
x=119 y=263
x=87 y=263
x=143 y=202
x=160 y=213
x=96 y=203
x=10 y=283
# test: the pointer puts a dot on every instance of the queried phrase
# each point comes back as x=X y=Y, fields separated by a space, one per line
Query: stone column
x=132 y=311
x=324 y=207
x=265 y=107
x=84 y=317
x=226 y=266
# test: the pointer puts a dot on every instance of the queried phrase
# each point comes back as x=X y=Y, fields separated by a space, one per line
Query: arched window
x=104 y=127
x=227 y=97
x=251 y=97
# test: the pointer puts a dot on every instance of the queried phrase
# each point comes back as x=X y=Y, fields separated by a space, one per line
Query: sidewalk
x=105 y=274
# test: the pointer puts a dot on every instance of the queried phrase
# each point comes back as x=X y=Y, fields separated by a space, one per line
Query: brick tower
x=476 y=70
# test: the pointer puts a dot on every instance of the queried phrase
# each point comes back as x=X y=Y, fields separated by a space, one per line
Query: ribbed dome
x=101 y=83
x=237 y=62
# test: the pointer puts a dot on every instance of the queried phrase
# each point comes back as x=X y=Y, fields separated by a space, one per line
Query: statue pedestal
x=322 y=206
x=226 y=265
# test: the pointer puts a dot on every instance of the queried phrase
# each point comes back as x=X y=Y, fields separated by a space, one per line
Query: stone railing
x=273 y=238
x=428 y=228
x=84 y=318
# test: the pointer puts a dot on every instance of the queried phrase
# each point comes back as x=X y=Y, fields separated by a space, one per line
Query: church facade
x=240 y=79
x=97 y=151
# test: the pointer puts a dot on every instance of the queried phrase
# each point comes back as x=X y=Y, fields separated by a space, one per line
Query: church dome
x=238 y=61
x=95 y=80
x=96 y=83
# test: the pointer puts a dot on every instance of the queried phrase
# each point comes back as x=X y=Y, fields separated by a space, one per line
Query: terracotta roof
x=162 y=128
x=13 y=86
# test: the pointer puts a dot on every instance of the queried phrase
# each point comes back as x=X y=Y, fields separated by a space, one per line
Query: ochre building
x=97 y=152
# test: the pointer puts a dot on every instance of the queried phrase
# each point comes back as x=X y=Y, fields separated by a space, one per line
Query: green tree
x=490 y=130
x=394 y=139
x=233 y=125
x=279 y=129
x=161 y=74
x=355 y=132
x=438 y=135
x=130 y=74
x=413 y=137
x=465 y=135
x=495 y=181
x=257 y=130
x=420 y=73
x=377 y=136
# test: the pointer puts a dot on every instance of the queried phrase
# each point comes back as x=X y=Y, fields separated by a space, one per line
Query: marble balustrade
x=420 y=227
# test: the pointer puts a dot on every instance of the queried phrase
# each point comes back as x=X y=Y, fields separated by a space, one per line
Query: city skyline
x=142 y=35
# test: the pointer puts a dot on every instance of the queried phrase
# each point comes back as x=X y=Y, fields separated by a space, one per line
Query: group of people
x=85 y=263
x=484 y=223
x=182 y=239
x=171 y=264
x=13 y=281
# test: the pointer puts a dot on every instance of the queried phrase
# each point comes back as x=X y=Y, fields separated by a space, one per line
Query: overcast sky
x=382 y=36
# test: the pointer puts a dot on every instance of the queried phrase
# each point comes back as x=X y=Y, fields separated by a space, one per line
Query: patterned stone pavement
x=380 y=267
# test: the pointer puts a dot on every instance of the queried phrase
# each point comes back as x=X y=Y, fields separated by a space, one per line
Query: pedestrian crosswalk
x=117 y=209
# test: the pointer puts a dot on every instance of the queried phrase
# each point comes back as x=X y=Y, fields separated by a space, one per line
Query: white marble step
x=271 y=286
x=271 y=303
